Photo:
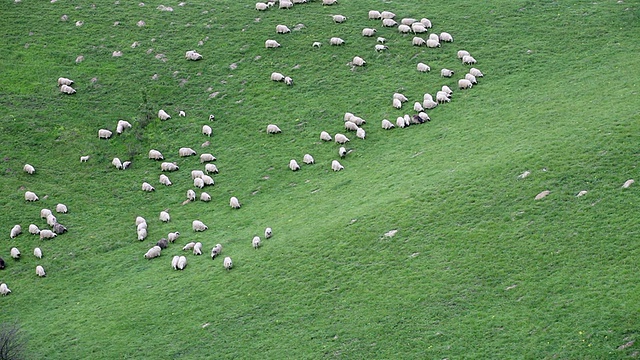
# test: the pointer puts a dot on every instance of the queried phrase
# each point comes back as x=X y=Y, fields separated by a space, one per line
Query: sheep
x=418 y=28
x=276 y=76
x=40 y=271
x=185 y=151
x=29 y=169
x=426 y=22
x=104 y=134
x=65 y=89
x=431 y=43
x=140 y=220
x=341 y=139
x=228 y=264
x=468 y=60
x=181 y=113
x=446 y=73
x=387 y=15
x=273 y=129
x=389 y=23
x=197 y=248
x=381 y=40
x=397 y=104
x=206 y=158
x=216 y=251
x=212 y=117
x=142 y=225
x=2 y=264
x=417 y=107
x=59 y=228
x=368 y=32
x=316 y=44
x=191 y=195
x=350 y=126
x=282 y=29
x=84 y=158
x=256 y=242
x=189 y=246
x=211 y=168
x=422 y=67
x=15 y=253
x=471 y=78
x=117 y=163
x=339 y=19
x=475 y=72
x=47 y=234
x=206 y=130
x=155 y=155
x=329 y=2
x=198 y=225
x=288 y=80
x=360 y=133
x=163 y=243
x=418 y=41
x=336 y=41
x=404 y=29
x=271 y=44
x=33 y=229
x=447 y=89
x=191 y=55
x=4 y=290
x=442 y=97
x=386 y=124
x=308 y=159
x=400 y=97
x=198 y=182
x=336 y=166
x=196 y=174
x=182 y=262
x=174 y=262
x=37 y=252
x=153 y=252
x=358 y=61
x=542 y=195
x=357 y=120
x=208 y=180
x=167 y=166
x=173 y=236
x=234 y=203
x=30 y=196
x=61 y=208
x=164 y=180
x=142 y=234
x=51 y=220
x=464 y=84
x=268 y=232
x=374 y=15
x=293 y=165
x=428 y=102
x=262 y=6
x=423 y=116
x=122 y=125
x=407 y=21
x=400 y=122
x=628 y=183
x=324 y=136
x=162 y=115
x=434 y=37
x=446 y=37
x=205 y=197
x=380 y=47
x=342 y=152
x=15 y=231
x=285 y=4
x=65 y=81
x=462 y=53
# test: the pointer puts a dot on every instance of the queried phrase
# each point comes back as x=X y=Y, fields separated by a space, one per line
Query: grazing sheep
x=418 y=28
x=418 y=41
x=65 y=89
x=37 y=252
x=316 y=44
x=428 y=102
x=155 y=155
x=341 y=139
x=282 y=29
x=228 y=264
x=208 y=180
x=339 y=19
x=336 y=41
x=308 y=159
x=407 y=21
x=426 y=22
x=212 y=117
x=234 y=203
x=268 y=233
x=205 y=197
x=198 y=225
x=142 y=234
x=15 y=253
x=628 y=183
x=193 y=56
x=464 y=84
x=329 y=2
x=288 y=80
x=386 y=124
x=273 y=129
x=33 y=229
x=197 y=248
x=357 y=120
x=40 y=271
x=206 y=130
x=446 y=37
x=189 y=246
x=142 y=225
x=198 y=182
x=431 y=43
x=30 y=196
x=285 y=4
x=211 y=168
x=423 y=116
x=342 y=152
x=447 y=89
x=216 y=251
x=4 y=290
x=117 y=163
x=196 y=174
x=417 y=107
x=163 y=115
x=164 y=180
x=462 y=53
x=348 y=125
x=47 y=234
x=191 y=195
x=15 y=231
x=475 y=72
x=147 y=187
x=380 y=47
x=468 y=60
x=389 y=23
x=360 y=133
x=174 y=262
x=2 y=264
x=400 y=97
x=51 y=220
x=368 y=32
x=121 y=126
x=422 y=67
x=256 y=242
x=182 y=113
x=104 y=134
x=324 y=136
x=173 y=236
x=61 y=208
x=387 y=15
x=271 y=44
x=293 y=165
x=84 y=158
x=64 y=81
x=358 y=61
x=59 y=228
x=374 y=15
x=140 y=220
x=262 y=6
x=434 y=37
x=404 y=29
x=162 y=243
x=184 y=152
x=471 y=78
x=153 y=252
x=206 y=158
x=182 y=262
x=381 y=40
x=29 y=169
x=400 y=122
x=442 y=97
x=276 y=76
x=397 y=104
x=542 y=195
x=446 y=73
x=167 y=166
x=336 y=166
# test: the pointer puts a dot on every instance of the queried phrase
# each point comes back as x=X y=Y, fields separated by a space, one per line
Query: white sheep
x=65 y=89
x=174 y=262
x=197 y=248
x=44 y=213
x=358 y=61
x=191 y=55
x=140 y=220
x=198 y=225
x=163 y=115
x=216 y=251
x=342 y=152
x=155 y=155
x=341 y=139
x=30 y=196
x=397 y=103
x=471 y=78
x=308 y=159
x=446 y=37
x=324 y=136
x=182 y=262
x=126 y=165
x=357 y=120
x=316 y=44
x=104 y=134
x=84 y=158
x=147 y=187
x=360 y=133
x=380 y=47
x=212 y=117
x=189 y=246
x=268 y=232
x=64 y=81
x=389 y=23
x=29 y=169
x=339 y=18
x=400 y=97
x=196 y=174
x=447 y=89
x=407 y=21
x=122 y=125
x=153 y=252
x=198 y=182
x=336 y=166
x=181 y=113
x=431 y=43
x=37 y=252
x=271 y=44
x=386 y=124
x=464 y=84
x=167 y=166
x=211 y=168
x=426 y=22
x=206 y=130
x=228 y=263
x=434 y=37
x=387 y=15
x=164 y=180
x=33 y=229
x=475 y=72
x=285 y=4
x=185 y=151
x=15 y=231
x=117 y=163
x=368 y=32
x=417 y=107
x=336 y=41
x=256 y=242
x=4 y=290
x=423 y=116
x=293 y=165
x=276 y=76
x=329 y=2
x=462 y=53
x=400 y=122
x=261 y=6
x=418 y=41
x=40 y=271
x=173 y=236
x=164 y=216
x=446 y=73
x=142 y=234
x=15 y=253
x=47 y=234
x=404 y=29
x=208 y=180
x=418 y=28
x=282 y=29
x=61 y=208
x=288 y=80
x=422 y=67
x=374 y=15
x=273 y=129
x=381 y=40
x=428 y=102
x=234 y=203
x=348 y=125
x=207 y=158
x=628 y=183
x=468 y=60
x=442 y=97
x=205 y=197
x=142 y=225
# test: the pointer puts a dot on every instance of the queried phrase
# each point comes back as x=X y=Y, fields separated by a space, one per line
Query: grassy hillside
x=477 y=269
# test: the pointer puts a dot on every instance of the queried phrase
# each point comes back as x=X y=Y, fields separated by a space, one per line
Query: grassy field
x=477 y=268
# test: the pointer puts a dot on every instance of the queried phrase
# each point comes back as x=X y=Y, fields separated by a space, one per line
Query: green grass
x=478 y=269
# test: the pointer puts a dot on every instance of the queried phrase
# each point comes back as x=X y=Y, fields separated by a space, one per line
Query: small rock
x=628 y=183
x=391 y=233
x=582 y=193
x=117 y=53
x=524 y=174
x=542 y=195
x=79 y=59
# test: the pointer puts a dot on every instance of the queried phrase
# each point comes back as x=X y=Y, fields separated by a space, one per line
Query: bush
x=12 y=342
